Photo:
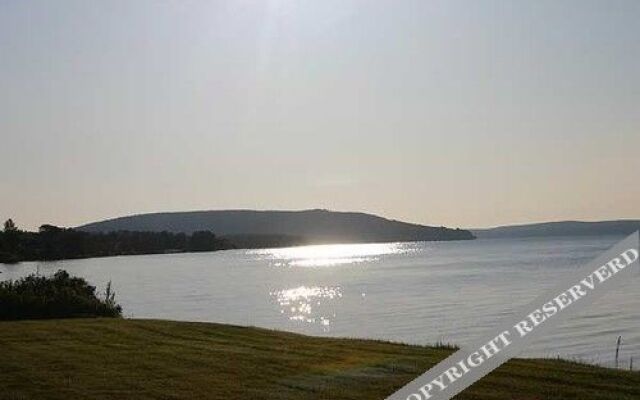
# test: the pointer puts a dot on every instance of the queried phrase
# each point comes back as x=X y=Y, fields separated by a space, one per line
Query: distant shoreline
x=170 y=252
x=561 y=228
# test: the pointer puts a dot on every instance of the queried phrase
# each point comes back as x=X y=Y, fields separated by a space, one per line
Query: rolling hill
x=315 y=226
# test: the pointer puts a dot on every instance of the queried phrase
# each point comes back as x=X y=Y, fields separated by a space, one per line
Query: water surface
x=420 y=293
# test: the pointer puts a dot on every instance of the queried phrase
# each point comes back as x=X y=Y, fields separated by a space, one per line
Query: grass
x=148 y=359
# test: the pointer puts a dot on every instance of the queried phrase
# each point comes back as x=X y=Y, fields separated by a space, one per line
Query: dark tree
x=10 y=226
x=10 y=243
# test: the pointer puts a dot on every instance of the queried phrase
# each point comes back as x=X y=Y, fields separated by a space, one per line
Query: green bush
x=57 y=296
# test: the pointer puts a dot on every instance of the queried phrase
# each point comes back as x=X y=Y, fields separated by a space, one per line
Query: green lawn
x=145 y=359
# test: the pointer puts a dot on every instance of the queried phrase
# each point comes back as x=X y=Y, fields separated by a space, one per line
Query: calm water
x=418 y=293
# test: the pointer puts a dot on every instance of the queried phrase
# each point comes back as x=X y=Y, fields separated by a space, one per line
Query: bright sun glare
x=331 y=254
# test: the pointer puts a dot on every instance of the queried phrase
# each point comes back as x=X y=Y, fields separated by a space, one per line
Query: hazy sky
x=458 y=113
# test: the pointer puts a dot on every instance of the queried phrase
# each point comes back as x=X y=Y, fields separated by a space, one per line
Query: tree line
x=55 y=243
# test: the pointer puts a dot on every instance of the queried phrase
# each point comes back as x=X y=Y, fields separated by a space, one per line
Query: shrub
x=57 y=296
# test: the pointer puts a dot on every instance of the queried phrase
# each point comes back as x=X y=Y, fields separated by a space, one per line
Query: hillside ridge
x=316 y=225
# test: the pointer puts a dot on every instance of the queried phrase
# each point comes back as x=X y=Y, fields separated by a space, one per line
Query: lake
x=419 y=293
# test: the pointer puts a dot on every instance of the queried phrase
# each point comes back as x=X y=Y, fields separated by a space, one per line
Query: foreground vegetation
x=57 y=296
x=145 y=359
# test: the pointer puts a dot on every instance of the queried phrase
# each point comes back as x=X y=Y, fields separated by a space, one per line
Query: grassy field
x=145 y=359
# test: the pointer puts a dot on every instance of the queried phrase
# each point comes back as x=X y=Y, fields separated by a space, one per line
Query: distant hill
x=311 y=226
x=564 y=228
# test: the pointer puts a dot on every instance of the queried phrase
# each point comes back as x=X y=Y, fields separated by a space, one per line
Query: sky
x=454 y=113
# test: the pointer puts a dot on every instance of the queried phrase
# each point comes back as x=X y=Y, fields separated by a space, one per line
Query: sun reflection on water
x=330 y=254
x=313 y=302
x=299 y=303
